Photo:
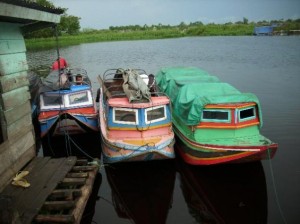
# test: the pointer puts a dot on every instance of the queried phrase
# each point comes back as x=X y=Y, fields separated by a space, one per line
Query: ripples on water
x=266 y=66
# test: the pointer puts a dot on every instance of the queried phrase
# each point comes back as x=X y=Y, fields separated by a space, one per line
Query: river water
x=173 y=192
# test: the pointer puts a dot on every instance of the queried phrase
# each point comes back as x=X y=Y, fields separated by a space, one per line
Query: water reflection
x=81 y=145
x=142 y=191
x=233 y=193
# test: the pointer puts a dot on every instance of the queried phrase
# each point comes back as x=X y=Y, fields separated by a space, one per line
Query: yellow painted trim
x=137 y=128
x=228 y=127
x=151 y=141
x=218 y=106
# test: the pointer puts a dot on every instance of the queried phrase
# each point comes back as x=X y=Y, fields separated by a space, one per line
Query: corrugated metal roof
x=33 y=5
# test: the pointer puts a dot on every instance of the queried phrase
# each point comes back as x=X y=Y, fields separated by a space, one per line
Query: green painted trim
x=10 y=31
x=13 y=63
x=13 y=81
x=15 y=97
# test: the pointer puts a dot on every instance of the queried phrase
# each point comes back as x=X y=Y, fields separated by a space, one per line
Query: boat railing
x=112 y=83
x=78 y=76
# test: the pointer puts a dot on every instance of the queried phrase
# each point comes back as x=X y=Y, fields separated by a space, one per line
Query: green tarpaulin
x=190 y=89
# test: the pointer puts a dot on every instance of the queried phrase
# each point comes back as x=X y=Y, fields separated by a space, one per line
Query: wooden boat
x=135 y=123
x=142 y=192
x=67 y=105
x=215 y=122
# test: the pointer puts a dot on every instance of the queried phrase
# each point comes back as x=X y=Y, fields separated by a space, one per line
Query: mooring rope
x=275 y=189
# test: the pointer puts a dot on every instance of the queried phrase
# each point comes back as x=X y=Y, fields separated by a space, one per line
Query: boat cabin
x=74 y=93
x=145 y=113
x=229 y=116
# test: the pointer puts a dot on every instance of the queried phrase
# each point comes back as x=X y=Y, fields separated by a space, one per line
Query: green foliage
x=69 y=24
x=45 y=3
x=69 y=27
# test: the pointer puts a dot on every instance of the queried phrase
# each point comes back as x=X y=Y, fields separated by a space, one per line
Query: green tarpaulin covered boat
x=215 y=122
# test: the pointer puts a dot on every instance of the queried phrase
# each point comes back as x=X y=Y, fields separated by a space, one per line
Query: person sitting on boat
x=79 y=79
x=152 y=83
x=60 y=63
x=119 y=74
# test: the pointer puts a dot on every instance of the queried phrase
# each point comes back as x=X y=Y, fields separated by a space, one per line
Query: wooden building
x=17 y=141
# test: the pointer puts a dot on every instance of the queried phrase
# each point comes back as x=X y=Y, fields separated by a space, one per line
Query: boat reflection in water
x=81 y=145
x=142 y=192
x=231 y=193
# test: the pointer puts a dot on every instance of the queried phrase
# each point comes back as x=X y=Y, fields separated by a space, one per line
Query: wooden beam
x=83 y=168
x=66 y=194
x=55 y=218
x=13 y=63
x=12 y=46
x=58 y=205
x=15 y=97
x=20 y=12
x=17 y=113
x=86 y=192
x=78 y=175
x=72 y=182
x=14 y=129
x=13 y=81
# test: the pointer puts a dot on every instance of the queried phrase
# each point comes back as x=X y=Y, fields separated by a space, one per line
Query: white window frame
x=66 y=101
x=156 y=120
x=125 y=122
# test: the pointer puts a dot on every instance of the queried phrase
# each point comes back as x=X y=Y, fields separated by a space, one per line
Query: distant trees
x=68 y=24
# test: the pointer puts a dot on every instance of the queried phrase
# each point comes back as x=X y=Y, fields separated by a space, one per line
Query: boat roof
x=123 y=102
x=191 y=89
x=51 y=82
x=131 y=86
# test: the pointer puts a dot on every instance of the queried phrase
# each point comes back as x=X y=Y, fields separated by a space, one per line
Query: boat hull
x=113 y=153
x=195 y=153
x=68 y=123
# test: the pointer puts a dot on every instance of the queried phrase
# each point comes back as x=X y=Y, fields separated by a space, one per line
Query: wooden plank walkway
x=58 y=192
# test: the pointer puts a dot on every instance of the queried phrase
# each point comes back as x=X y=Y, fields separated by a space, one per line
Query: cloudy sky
x=101 y=14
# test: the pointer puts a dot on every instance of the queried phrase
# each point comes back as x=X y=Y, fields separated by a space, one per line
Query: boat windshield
x=155 y=114
x=125 y=116
x=80 y=97
x=247 y=114
x=52 y=100
x=216 y=115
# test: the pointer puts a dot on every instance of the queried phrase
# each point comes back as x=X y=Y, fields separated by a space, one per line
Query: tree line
x=70 y=26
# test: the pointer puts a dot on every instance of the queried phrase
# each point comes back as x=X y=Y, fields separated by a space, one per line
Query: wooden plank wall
x=18 y=144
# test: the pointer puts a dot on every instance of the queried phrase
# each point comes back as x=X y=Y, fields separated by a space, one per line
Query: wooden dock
x=58 y=192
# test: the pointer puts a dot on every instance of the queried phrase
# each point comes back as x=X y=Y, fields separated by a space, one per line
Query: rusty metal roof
x=33 y=5
x=29 y=15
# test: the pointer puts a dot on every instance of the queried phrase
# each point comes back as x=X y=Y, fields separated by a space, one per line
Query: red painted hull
x=224 y=154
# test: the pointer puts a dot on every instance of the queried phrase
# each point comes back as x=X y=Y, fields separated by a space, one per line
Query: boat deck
x=58 y=192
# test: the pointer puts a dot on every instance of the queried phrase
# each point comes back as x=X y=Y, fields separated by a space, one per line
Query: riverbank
x=147 y=34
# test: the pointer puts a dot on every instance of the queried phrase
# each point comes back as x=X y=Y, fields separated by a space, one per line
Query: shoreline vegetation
x=148 y=33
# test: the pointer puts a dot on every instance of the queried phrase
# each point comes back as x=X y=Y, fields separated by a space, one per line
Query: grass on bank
x=108 y=35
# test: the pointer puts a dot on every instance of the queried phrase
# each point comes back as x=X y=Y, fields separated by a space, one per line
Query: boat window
x=215 y=116
x=50 y=100
x=155 y=114
x=247 y=114
x=125 y=116
x=79 y=97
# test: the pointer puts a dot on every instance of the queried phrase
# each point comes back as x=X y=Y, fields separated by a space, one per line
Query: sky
x=101 y=14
